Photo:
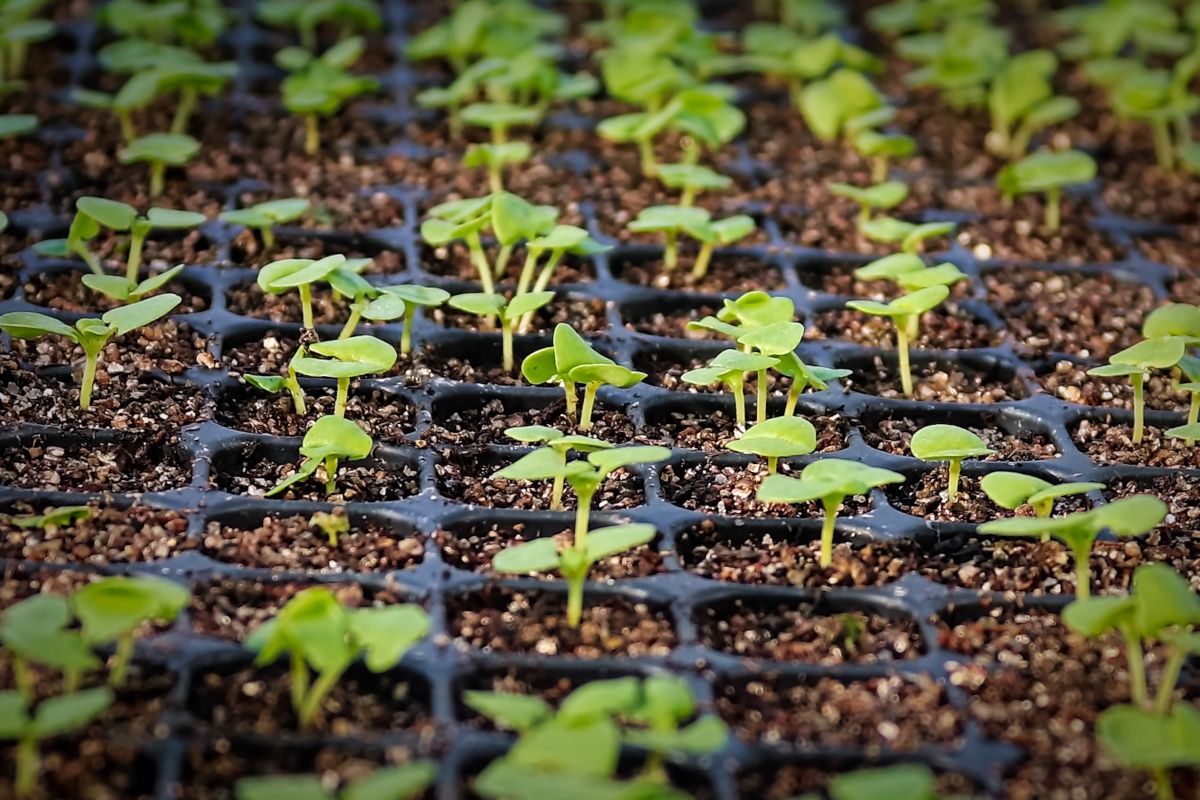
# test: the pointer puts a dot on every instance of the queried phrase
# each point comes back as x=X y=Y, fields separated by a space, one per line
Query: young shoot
x=895 y=782
x=910 y=236
x=510 y=313
x=909 y=272
x=881 y=196
x=948 y=443
x=53 y=518
x=721 y=233
x=407 y=782
x=832 y=104
x=776 y=339
x=318 y=635
x=318 y=86
x=115 y=609
x=772 y=439
x=730 y=367
x=160 y=150
x=1022 y=102
x=333 y=524
x=1157 y=743
x=803 y=376
x=571 y=361
x=37 y=631
x=881 y=148
x=345 y=359
x=329 y=440
x=691 y=179
x=1047 y=172
x=670 y=221
x=1012 y=490
x=550 y=461
x=831 y=481
x=414 y=297
x=1134 y=362
x=301 y=274
x=52 y=717
x=90 y=334
x=1129 y=516
x=905 y=313
x=263 y=217
x=306 y=17
x=498 y=118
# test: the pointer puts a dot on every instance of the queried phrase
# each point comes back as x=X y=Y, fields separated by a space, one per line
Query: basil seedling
x=37 y=631
x=772 y=439
x=691 y=179
x=776 y=339
x=948 y=443
x=263 y=217
x=498 y=118
x=1012 y=490
x=408 y=782
x=160 y=150
x=306 y=17
x=882 y=196
x=804 y=375
x=345 y=359
x=909 y=272
x=52 y=717
x=881 y=148
x=315 y=632
x=414 y=297
x=1022 y=102
x=1134 y=362
x=912 y=237
x=301 y=274
x=114 y=609
x=723 y=232
x=669 y=221
x=318 y=86
x=90 y=334
x=905 y=313
x=830 y=480
x=1050 y=173
x=1129 y=516
x=61 y=517
x=550 y=461
x=510 y=312
x=330 y=439
x=332 y=524
x=570 y=361
x=729 y=367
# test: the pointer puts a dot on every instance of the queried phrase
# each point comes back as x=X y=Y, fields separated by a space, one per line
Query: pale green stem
x=121 y=659
x=700 y=268
x=134 y=262
x=1164 y=150
x=23 y=677
x=527 y=270
x=1170 y=676
x=671 y=252
x=879 y=169
x=297 y=393
x=952 y=486
x=306 y=306
x=183 y=112
x=572 y=402
x=556 y=495
x=646 y=152
x=128 y=132
x=89 y=378
x=688 y=197
x=27 y=766
x=299 y=682
x=356 y=313
x=760 y=408
x=772 y=464
x=495 y=178
x=1083 y=582
x=737 y=386
x=502 y=259
x=406 y=334
x=312 y=134
x=575 y=601
x=906 y=381
x=827 y=528
x=343 y=396
x=1054 y=208
x=331 y=465
x=479 y=259
x=158 y=172
x=268 y=237
x=793 y=398
x=1138 y=379
x=583 y=513
x=589 y=399
x=321 y=687
x=1136 y=660
x=506 y=344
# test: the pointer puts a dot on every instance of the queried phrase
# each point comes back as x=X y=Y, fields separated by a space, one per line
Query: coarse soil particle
x=481 y=421
x=837 y=278
x=535 y=623
x=109 y=535
x=673 y=322
x=135 y=463
x=250 y=469
x=384 y=416
x=63 y=291
x=473 y=550
x=726 y=274
x=1108 y=441
x=164 y=346
x=294 y=543
x=1019 y=234
x=250 y=300
x=947 y=328
x=894 y=435
x=1069 y=381
x=933 y=381
x=713 y=486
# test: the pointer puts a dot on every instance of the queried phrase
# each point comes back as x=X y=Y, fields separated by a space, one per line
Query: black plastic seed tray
x=677 y=597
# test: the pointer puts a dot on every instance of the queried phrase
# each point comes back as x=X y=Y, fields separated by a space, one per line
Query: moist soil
x=1109 y=441
x=134 y=463
x=478 y=421
x=925 y=496
x=109 y=535
x=712 y=429
x=474 y=549
x=1069 y=381
x=933 y=381
x=164 y=346
x=947 y=328
x=249 y=470
x=63 y=291
x=726 y=275
x=384 y=416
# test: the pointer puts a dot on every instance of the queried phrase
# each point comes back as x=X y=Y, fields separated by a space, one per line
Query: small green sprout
x=495 y=157
x=948 y=443
x=114 y=609
x=776 y=339
x=61 y=517
x=318 y=86
x=692 y=179
x=19 y=28
x=670 y=221
x=1047 y=172
x=560 y=240
x=160 y=150
x=772 y=439
x=407 y=782
x=36 y=631
x=880 y=147
x=804 y=375
x=414 y=297
x=263 y=217
x=52 y=717
x=17 y=125
x=883 y=196
x=1022 y=102
x=498 y=118
x=896 y=782
x=1129 y=516
x=301 y=274
x=830 y=480
x=1134 y=362
x=317 y=633
x=345 y=359
x=905 y=313
x=909 y=272
x=1162 y=99
x=332 y=524
x=330 y=439
x=539 y=464
x=722 y=232
x=1012 y=490
x=830 y=105
x=1141 y=739
x=1189 y=433
x=729 y=367
x=911 y=236
x=306 y=17
x=90 y=334
x=510 y=312
x=570 y=361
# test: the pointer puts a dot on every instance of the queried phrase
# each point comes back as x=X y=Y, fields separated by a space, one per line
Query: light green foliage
x=52 y=717
x=670 y=221
x=959 y=61
x=948 y=443
x=570 y=360
x=550 y=461
x=883 y=196
x=160 y=150
x=305 y=16
x=1047 y=172
x=263 y=217
x=831 y=105
x=318 y=86
x=1136 y=361
x=61 y=517
x=510 y=313
x=772 y=439
x=1012 y=490
x=344 y=359
x=37 y=631
x=301 y=274
x=911 y=236
x=730 y=367
x=115 y=609
x=1022 y=102
x=330 y=439
x=909 y=272
x=407 y=782
x=905 y=313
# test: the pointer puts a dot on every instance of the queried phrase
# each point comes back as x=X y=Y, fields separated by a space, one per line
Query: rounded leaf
x=336 y=436
x=143 y=312
x=943 y=442
x=173 y=219
x=780 y=437
x=109 y=213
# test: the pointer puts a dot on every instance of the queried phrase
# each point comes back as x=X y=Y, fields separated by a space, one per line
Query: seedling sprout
x=948 y=443
x=318 y=86
x=301 y=274
x=882 y=196
x=1047 y=172
x=160 y=150
x=345 y=359
x=414 y=297
x=830 y=480
x=538 y=465
x=1134 y=362
x=407 y=782
x=571 y=361
x=52 y=717
x=669 y=221
x=90 y=334
x=776 y=339
x=1012 y=490
x=330 y=439
x=332 y=524
x=730 y=367
x=115 y=609
x=722 y=232
x=263 y=217
x=37 y=631
x=510 y=312
x=911 y=236
x=772 y=439
x=905 y=313
x=61 y=517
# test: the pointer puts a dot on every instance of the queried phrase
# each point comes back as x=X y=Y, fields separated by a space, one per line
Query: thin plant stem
x=22 y=676
x=356 y=312
x=28 y=765
x=1054 y=208
x=589 y=400
x=952 y=485
x=828 y=525
x=671 y=252
x=321 y=687
x=906 y=382
x=306 y=306
x=89 y=378
x=700 y=268
x=121 y=659
x=183 y=111
x=479 y=259
x=128 y=131
x=343 y=396
x=583 y=513
x=1164 y=150
x=1162 y=784
x=1138 y=380
x=1137 y=666
x=133 y=262
x=1170 y=676
x=506 y=344
x=158 y=172
x=297 y=393
x=772 y=464
x=760 y=407
x=572 y=402
x=1083 y=584
x=331 y=465
x=299 y=686
x=268 y=238
x=793 y=397
x=312 y=134
x=406 y=333
x=737 y=386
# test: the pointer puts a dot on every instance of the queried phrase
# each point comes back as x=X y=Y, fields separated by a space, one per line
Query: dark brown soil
x=712 y=429
x=714 y=487
x=894 y=435
x=1019 y=234
x=939 y=382
x=246 y=250
x=455 y=262
x=466 y=476
x=787 y=781
x=942 y=329
x=249 y=469
x=386 y=417
x=63 y=291
x=513 y=622
x=110 y=535
x=473 y=549
x=1107 y=441
x=726 y=275
x=481 y=421
x=1070 y=382
x=169 y=347
x=133 y=464
x=251 y=301
x=585 y=316
x=925 y=497
x=294 y=543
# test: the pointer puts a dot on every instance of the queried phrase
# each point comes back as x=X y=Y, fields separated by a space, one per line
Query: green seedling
x=317 y=634
x=1161 y=608
x=194 y=24
x=895 y=782
x=775 y=339
x=1050 y=173
x=90 y=334
x=1134 y=362
x=831 y=105
x=115 y=609
x=414 y=297
x=61 y=517
x=959 y=60
x=550 y=460
x=831 y=481
x=910 y=236
x=881 y=148
x=160 y=150
x=37 y=631
x=1012 y=490
x=723 y=232
x=273 y=384
x=498 y=118
x=1158 y=743
x=803 y=376
x=948 y=443
x=280 y=277
x=333 y=525
x=880 y=196
x=561 y=239
x=1162 y=99
x=263 y=217
x=905 y=313
x=571 y=361
x=1130 y=516
x=510 y=313
x=772 y=439
x=52 y=717
x=670 y=221
x=729 y=367
x=1189 y=433
x=17 y=125
x=691 y=179
x=495 y=157
x=408 y=782
x=909 y=272
x=345 y=359
x=330 y=439
x=307 y=16
x=1022 y=102
x=19 y=28
x=318 y=86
